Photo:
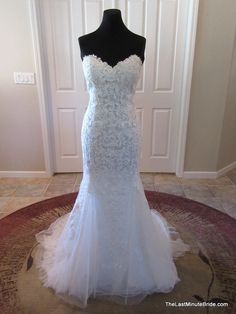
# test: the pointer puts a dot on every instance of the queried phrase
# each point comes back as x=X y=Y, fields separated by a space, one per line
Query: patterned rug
x=207 y=272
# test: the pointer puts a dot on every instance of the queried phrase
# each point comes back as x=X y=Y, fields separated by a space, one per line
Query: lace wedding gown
x=111 y=244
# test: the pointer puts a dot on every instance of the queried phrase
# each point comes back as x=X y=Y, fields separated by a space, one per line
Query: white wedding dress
x=111 y=244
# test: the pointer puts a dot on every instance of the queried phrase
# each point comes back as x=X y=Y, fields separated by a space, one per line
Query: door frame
x=44 y=92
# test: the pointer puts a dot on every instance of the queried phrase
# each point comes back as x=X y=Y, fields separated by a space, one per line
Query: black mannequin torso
x=112 y=41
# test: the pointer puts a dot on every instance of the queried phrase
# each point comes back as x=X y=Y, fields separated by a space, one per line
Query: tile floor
x=219 y=193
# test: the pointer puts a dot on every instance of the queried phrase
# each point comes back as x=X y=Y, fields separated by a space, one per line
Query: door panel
x=157 y=98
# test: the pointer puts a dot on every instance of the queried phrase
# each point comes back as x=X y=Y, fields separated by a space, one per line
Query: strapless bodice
x=103 y=79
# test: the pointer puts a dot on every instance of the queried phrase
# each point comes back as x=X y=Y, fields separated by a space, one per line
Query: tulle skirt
x=111 y=245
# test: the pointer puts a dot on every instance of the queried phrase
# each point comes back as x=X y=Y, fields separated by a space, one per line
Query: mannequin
x=112 y=41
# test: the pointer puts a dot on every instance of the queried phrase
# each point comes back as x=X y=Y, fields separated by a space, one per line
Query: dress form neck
x=112 y=41
x=112 y=24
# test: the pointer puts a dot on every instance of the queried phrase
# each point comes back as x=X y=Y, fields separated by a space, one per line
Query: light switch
x=24 y=78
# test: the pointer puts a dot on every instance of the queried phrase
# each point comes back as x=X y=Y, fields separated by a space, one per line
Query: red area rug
x=207 y=272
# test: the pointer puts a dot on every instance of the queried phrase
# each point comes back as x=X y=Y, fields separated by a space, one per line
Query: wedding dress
x=111 y=244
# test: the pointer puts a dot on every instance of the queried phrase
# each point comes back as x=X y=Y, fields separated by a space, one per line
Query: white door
x=157 y=99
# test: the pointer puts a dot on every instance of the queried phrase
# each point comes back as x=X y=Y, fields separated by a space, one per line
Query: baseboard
x=199 y=174
x=208 y=174
x=224 y=170
x=24 y=174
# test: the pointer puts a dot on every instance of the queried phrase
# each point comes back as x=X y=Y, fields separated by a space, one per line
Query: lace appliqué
x=110 y=133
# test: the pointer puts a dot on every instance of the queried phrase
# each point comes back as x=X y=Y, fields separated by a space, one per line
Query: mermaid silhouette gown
x=111 y=244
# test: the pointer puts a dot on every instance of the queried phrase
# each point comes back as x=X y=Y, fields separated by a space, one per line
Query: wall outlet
x=24 y=78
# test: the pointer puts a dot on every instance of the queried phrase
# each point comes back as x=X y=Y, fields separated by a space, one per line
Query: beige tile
x=147 y=177
x=218 y=193
x=149 y=187
x=175 y=189
x=192 y=181
x=7 y=189
x=229 y=206
x=31 y=190
x=64 y=178
x=232 y=171
x=59 y=189
x=224 y=180
x=76 y=188
x=2 y=215
x=165 y=178
x=197 y=190
x=11 y=181
x=213 y=202
x=219 y=181
x=4 y=201
x=19 y=202
x=224 y=191
x=232 y=176
x=79 y=178
x=21 y=181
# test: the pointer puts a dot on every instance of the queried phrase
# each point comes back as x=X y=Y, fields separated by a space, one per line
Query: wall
x=212 y=62
x=211 y=126
x=21 y=146
x=227 y=149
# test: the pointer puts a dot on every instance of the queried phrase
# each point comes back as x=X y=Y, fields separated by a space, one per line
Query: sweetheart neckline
x=107 y=64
